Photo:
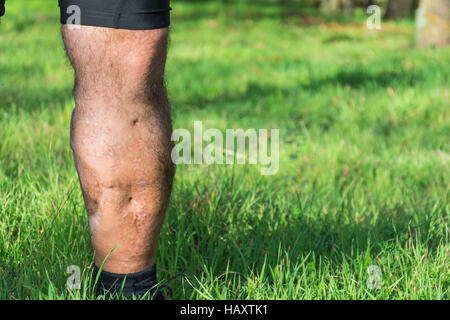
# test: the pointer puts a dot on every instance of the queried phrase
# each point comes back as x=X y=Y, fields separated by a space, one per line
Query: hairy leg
x=120 y=137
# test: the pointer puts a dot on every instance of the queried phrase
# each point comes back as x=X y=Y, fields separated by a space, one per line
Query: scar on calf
x=142 y=183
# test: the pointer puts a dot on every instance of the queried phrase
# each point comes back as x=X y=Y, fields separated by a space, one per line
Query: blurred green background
x=364 y=155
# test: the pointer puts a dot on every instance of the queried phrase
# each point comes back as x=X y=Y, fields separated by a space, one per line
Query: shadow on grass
x=252 y=94
x=281 y=10
x=27 y=95
x=231 y=229
x=30 y=97
x=33 y=99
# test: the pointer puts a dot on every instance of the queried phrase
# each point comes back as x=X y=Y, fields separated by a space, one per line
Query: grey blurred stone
x=433 y=23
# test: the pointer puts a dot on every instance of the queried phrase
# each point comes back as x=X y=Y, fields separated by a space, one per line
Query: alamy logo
x=230 y=149
x=74 y=280
x=74 y=20
x=374 y=280
x=374 y=21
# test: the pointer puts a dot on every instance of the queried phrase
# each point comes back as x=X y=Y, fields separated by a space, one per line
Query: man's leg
x=120 y=136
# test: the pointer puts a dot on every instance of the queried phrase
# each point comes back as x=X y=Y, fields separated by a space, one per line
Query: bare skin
x=120 y=137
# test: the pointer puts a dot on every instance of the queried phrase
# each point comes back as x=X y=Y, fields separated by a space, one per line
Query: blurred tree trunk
x=334 y=6
x=329 y=6
x=433 y=23
x=397 y=9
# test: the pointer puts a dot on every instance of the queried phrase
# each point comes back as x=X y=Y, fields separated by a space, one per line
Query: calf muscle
x=120 y=136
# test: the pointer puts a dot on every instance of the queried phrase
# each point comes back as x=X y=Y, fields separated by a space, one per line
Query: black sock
x=137 y=284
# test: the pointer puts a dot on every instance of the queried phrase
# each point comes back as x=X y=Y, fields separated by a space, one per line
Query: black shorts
x=119 y=14
x=2 y=7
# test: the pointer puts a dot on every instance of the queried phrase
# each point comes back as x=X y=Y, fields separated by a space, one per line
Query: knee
x=117 y=64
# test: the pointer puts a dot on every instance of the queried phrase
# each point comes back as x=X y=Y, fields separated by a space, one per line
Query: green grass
x=364 y=164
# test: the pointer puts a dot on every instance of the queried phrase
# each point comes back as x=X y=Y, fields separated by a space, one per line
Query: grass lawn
x=364 y=172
